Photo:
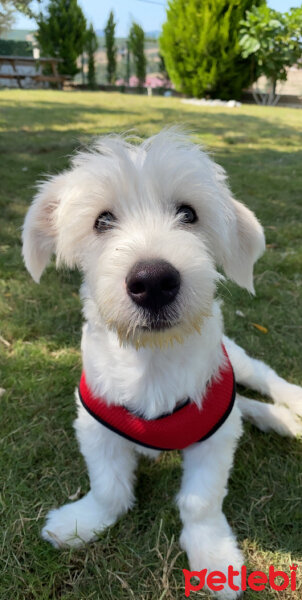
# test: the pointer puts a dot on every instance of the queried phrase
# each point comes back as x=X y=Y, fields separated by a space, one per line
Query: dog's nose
x=153 y=284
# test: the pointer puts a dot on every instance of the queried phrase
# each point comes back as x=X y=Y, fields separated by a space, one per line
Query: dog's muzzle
x=153 y=285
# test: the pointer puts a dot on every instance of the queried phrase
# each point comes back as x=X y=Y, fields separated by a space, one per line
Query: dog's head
x=147 y=226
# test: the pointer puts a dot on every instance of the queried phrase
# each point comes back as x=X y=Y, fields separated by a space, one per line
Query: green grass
x=40 y=358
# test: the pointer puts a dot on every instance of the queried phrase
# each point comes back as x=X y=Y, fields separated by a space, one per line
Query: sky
x=149 y=14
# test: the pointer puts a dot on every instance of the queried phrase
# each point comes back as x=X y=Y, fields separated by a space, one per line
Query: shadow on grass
x=46 y=115
x=54 y=113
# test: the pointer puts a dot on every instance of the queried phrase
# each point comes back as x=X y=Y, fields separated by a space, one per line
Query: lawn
x=40 y=359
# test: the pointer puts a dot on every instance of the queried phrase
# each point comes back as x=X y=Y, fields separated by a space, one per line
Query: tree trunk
x=273 y=98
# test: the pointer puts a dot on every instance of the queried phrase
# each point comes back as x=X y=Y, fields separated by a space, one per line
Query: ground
x=40 y=359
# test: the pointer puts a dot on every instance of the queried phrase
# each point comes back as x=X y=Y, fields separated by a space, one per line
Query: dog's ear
x=40 y=230
x=246 y=243
x=234 y=234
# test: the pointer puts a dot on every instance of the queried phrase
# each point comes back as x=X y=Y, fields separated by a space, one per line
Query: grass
x=40 y=358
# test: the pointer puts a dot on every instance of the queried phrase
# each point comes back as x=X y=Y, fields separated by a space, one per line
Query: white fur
x=149 y=372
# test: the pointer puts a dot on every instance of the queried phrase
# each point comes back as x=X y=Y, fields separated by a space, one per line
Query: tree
x=7 y=16
x=8 y=8
x=91 y=47
x=62 y=33
x=274 y=42
x=110 y=48
x=200 y=46
x=24 y=7
x=137 y=47
x=162 y=66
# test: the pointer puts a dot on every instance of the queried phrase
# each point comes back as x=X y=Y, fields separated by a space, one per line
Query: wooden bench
x=17 y=61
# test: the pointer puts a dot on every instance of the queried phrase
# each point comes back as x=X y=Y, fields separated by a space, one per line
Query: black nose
x=153 y=284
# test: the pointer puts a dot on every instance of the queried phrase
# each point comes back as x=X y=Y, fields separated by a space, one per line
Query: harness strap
x=186 y=425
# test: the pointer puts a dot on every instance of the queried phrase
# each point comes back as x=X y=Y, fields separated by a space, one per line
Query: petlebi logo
x=256 y=581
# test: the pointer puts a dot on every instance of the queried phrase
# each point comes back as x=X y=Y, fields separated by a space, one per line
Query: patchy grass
x=40 y=359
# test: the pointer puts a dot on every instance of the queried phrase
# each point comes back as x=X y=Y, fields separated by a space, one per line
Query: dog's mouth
x=159 y=325
x=158 y=332
x=159 y=328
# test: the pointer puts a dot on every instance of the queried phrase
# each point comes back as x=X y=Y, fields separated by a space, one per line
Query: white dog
x=147 y=225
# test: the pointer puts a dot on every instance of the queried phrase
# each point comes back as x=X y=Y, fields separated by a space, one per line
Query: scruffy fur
x=146 y=370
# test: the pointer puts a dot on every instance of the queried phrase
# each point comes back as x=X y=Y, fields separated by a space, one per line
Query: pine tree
x=110 y=48
x=62 y=33
x=91 y=47
x=200 y=46
x=137 y=47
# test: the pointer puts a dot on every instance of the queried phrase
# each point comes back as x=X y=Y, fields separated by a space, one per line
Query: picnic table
x=18 y=61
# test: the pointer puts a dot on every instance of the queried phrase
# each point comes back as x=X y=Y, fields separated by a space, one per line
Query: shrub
x=200 y=46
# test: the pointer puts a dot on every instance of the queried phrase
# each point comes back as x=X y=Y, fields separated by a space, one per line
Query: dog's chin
x=158 y=325
x=159 y=333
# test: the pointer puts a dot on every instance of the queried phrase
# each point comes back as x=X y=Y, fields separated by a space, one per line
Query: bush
x=200 y=46
x=14 y=48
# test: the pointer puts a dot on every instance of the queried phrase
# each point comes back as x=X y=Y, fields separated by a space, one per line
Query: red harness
x=186 y=425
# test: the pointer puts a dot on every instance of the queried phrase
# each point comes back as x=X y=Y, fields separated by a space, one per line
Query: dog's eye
x=104 y=221
x=187 y=214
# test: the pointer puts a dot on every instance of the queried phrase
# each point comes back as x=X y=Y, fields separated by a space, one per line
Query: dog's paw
x=64 y=529
x=293 y=399
x=75 y=524
x=290 y=395
x=213 y=550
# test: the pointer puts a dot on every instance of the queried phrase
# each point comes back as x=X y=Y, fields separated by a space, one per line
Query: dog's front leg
x=206 y=535
x=111 y=461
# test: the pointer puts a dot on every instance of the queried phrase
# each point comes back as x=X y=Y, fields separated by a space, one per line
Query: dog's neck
x=149 y=381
